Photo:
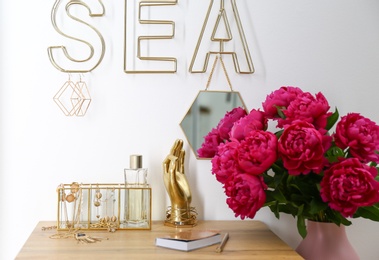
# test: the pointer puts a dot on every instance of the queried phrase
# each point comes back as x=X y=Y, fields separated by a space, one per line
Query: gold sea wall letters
x=146 y=25
x=140 y=51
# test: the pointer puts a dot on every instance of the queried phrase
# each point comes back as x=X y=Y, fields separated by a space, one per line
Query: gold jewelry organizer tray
x=104 y=206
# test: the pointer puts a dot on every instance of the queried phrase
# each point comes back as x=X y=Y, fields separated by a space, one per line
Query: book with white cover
x=189 y=240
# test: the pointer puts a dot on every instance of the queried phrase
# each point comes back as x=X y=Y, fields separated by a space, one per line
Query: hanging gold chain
x=225 y=72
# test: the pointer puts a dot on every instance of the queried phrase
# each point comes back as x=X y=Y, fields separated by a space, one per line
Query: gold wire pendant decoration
x=73 y=98
x=147 y=38
x=85 y=98
x=222 y=40
x=68 y=98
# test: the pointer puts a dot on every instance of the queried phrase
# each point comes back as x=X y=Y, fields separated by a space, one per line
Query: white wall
x=328 y=46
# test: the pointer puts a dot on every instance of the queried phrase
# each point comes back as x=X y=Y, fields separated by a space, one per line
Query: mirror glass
x=208 y=108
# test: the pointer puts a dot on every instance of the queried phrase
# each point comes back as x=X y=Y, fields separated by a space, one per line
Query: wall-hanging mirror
x=208 y=108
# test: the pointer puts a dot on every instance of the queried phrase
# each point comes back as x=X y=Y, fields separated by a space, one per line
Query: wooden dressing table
x=247 y=240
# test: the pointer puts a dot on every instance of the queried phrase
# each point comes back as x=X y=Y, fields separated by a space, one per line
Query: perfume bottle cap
x=135 y=161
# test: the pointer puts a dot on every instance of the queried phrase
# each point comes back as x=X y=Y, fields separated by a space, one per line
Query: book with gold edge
x=189 y=240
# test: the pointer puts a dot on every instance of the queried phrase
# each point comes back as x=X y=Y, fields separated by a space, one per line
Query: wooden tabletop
x=247 y=240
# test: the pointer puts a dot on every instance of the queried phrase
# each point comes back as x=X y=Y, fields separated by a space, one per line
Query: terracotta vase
x=326 y=241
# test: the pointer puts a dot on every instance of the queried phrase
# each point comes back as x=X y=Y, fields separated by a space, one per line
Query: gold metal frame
x=63 y=48
x=217 y=58
x=86 y=221
x=75 y=97
x=222 y=15
x=85 y=97
x=142 y=4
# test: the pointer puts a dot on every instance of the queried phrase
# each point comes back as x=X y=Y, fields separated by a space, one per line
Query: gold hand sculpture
x=180 y=213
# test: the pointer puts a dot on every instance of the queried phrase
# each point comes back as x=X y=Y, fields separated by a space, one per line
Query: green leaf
x=336 y=217
x=317 y=206
x=371 y=212
x=377 y=176
x=278 y=196
x=279 y=179
x=269 y=203
x=333 y=153
x=300 y=210
x=269 y=180
x=332 y=120
x=279 y=134
x=301 y=227
x=298 y=199
x=280 y=111
x=277 y=167
x=288 y=209
x=274 y=208
x=269 y=197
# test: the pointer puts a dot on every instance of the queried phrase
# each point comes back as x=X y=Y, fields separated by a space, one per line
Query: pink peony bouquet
x=301 y=169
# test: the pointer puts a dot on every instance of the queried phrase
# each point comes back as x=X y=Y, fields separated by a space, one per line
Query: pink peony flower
x=224 y=163
x=226 y=123
x=348 y=185
x=255 y=120
x=208 y=148
x=302 y=148
x=280 y=98
x=246 y=194
x=361 y=135
x=257 y=152
x=308 y=108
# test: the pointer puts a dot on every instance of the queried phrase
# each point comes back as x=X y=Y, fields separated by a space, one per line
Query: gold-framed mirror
x=205 y=112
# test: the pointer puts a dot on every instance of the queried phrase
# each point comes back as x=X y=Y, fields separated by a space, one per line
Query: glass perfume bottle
x=137 y=197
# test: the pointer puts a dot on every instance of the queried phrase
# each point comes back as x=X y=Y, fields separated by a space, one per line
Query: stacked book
x=189 y=240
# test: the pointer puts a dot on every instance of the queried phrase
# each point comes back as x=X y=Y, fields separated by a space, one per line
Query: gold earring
x=97 y=201
x=64 y=97
x=84 y=98
x=74 y=187
x=70 y=197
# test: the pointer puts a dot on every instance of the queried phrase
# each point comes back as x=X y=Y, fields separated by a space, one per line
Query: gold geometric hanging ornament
x=73 y=98
x=85 y=97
